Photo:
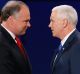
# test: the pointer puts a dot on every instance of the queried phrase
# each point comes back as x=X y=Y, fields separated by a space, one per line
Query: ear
x=10 y=18
x=65 y=23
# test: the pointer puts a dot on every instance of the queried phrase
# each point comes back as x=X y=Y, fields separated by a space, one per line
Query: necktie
x=19 y=44
x=60 y=47
x=59 y=51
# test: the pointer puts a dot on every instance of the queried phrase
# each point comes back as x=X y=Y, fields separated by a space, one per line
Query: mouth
x=52 y=30
x=25 y=28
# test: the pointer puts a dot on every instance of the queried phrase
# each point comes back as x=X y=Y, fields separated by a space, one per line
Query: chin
x=53 y=35
x=23 y=33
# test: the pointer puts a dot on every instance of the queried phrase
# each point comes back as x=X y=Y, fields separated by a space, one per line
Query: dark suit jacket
x=68 y=60
x=11 y=59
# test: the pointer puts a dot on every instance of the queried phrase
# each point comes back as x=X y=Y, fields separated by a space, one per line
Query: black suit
x=11 y=59
x=68 y=60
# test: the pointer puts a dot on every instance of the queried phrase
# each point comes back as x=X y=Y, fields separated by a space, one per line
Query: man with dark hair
x=15 y=21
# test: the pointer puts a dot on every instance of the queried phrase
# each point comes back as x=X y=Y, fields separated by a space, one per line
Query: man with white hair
x=63 y=21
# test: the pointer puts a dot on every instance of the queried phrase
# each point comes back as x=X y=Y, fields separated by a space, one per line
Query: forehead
x=53 y=14
x=24 y=13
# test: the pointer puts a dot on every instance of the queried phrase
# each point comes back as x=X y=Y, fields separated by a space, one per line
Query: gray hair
x=68 y=12
x=11 y=8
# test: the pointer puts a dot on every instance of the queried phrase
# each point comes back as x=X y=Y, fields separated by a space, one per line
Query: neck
x=8 y=26
x=66 y=32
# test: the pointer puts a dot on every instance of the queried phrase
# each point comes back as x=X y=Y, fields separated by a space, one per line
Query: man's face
x=21 y=23
x=56 y=24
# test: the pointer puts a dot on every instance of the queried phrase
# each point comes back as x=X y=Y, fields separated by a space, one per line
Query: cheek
x=54 y=25
x=57 y=25
x=24 y=26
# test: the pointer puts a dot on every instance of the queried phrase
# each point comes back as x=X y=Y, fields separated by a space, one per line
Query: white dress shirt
x=66 y=37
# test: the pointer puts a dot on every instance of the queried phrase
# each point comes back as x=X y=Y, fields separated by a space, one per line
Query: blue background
x=38 y=40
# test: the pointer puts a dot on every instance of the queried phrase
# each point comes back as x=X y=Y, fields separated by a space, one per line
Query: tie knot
x=18 y=41
x=60 y=47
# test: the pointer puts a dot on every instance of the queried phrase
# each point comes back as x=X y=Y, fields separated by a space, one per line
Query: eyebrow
x=26 y=20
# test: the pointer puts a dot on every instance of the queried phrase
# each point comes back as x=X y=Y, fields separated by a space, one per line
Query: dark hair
x=11 y=8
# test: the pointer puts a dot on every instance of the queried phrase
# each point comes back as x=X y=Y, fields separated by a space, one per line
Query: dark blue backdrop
x=38 y=40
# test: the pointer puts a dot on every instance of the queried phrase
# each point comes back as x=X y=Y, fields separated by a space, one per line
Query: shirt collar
x=12 y=35
x=66 y=37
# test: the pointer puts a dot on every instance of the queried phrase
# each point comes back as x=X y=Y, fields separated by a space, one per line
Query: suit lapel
x=14 y=50
x=57 y=57
x=10 y=42
x=72 y=38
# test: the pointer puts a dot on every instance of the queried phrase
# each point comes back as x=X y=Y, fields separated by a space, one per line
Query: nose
x=28 y=24
x=49 y=25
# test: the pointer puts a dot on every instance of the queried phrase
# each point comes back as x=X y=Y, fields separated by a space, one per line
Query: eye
x=52 y=21
x=26 y=21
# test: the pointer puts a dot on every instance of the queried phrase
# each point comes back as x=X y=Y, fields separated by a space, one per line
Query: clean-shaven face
x=56 y=24
x=22 y=23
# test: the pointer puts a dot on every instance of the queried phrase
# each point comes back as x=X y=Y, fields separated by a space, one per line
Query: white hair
x=68 y=12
